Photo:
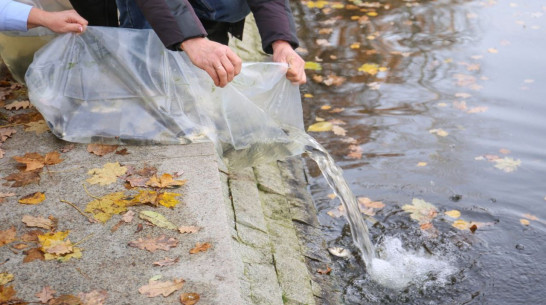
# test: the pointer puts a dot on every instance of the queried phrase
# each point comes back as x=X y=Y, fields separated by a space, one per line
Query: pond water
x=441 y=103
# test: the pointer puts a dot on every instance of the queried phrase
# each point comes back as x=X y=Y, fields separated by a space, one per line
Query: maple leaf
x=95 y=297
x=101 y=149
x=155 y=288
x=507 y=164
x=36 y=161
x=5 y=278
x=366 y=206
x=188 y=229
x=6 y=133
x=46 y=294
x=54 y=246
x=18 y=105
x=189 y=298
x=39 y=222
x=38 y=127
x=157 y=219
x=31 y=236
x=7 y=294
x=167 y=262
x=33 y=254
x=165 y=181
x=200 y=247
x=34 y=198
x=106 y=175
x=421 y=210
x=7 y=236
x=24 y=178
x=153 y=244
x=105 y=207
x=369 y=68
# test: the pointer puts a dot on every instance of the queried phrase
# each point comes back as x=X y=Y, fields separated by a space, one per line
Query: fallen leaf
x=67 y=148
x=65 y=300
x=5 y=195
x=106 y=175
x=315 y=66
x=332 y=196
x=25 y=118
x=33 y=255
x=421 y=210
x=479 y=109
x=101 y=149
x=5 y=278
x=39 y=222
x=365 y=201
x=167 y=262
x=200 y=247
x=325 y=271
x=530 y=217
x=504 y=151
x=45 y=295
x=453 y=213
x=336 y=213
x=524 y=222
x=18 y=105
x=339 y=251
x=105 y=207
x=440 y=132
x=339 y=131
x=462 y=95
x=54 y=246
x=321 y=127
x=165 y=181
x=7 y=236
x=168 y=199
x=334 y=80
x=422 y=164
x=128 y=216
x=355 y=152
x=95 y=297
x=157 y=219
x=492 y=50
x=153 y=244
x=7 y=294
x=189 y=298
x=38 y=127
x=355 y=45
x=6 y=133
x=369 y=68
x=460 y=105
x=24 y=178
x=36 y=161
x=155 y=288
x=188 y=229
x=507 y=164
x=34 y=198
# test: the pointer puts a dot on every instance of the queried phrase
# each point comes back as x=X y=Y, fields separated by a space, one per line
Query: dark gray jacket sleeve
x=173 y=20
x=275 y=22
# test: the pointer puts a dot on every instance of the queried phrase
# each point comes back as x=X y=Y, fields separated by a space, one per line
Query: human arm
x=278 y=32
x=178 y=27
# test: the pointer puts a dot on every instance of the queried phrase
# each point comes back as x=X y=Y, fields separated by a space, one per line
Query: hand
x=218 y=60
x=283 y=52
x=59 y=22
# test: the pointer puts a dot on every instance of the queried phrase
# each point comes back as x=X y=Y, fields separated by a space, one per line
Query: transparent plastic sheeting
x=17 y=48
x=121 y=86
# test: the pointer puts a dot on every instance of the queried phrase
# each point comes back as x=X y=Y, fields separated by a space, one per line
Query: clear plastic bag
x=121 y=86
x=17 y=48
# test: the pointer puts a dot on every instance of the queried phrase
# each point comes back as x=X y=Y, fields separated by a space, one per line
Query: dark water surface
x=463 y=89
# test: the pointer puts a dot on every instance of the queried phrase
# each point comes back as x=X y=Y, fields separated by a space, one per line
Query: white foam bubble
x=397 y=267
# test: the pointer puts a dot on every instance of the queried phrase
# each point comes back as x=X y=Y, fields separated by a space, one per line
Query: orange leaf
x=101 y=149
x=7 y=236
x=46 y=294
x=189 y=298
x=200 y=247
x=34 y=198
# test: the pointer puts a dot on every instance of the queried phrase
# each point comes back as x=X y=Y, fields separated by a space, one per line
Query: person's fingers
x=222 y=75
x=213 y=75
x=228 y=67
x=73 y=27
x=235 y=61
x=76 y=18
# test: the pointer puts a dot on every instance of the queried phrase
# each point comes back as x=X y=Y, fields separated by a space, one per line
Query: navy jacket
x=175 y=20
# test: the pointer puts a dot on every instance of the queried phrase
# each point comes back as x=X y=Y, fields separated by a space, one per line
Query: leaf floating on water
x=336 y=213
x=453 y=214
x=369 y=68
x=421 y=210
x=339 y=251
x=321 y=127
x=492 y=50
x=421 y=164
x=461 y=224
x=524 y=222
x=440 y=132
x=355 y=152
x=507 y=164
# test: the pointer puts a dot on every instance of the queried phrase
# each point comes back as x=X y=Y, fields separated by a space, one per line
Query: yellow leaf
x=369 y=68
x=105 y=207
x=461 y=224
x=331 y=196
x=165 y=181
x=421 y=210
x=321 y=127
x=168 y=199
x=308 y=95
x=492 y=50
x=453 y=214
x=383 y=69
x=5 y=278
x=372 y=14
x=311 y=65
x=355 y=45
x=34 y=198
x=157 y=219
x=507 y=164
x=370 y=37
x=524 y=222
x=440 y=132
x=326 y=107
x=54 y=246
x=106 y=175
x=422 y=164
x=530 y=216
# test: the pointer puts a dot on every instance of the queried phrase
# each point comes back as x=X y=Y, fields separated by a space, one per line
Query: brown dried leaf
x=18 y=105
x=167 y=262
x=38 y=127
x=24 y=178
x=101 y=149
x=95 y=297
x=39 y=222
x=137 y=181
x=45 y=295
x=189 y=298
x=155 y=288
x=25 y=118
x=355 y=152
x=123 y=152
x=165 y=181
x=325 y=271
x=188 y=229
x=31 y=236
x=147 y=171
x=35 y=161
x=67 y=148
x=153 y=244
x=6 y=133
x=128 y=217
x=200 y=247
x=7 y=236
x=7 y=295
x=33 y=254
x=65 y=300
